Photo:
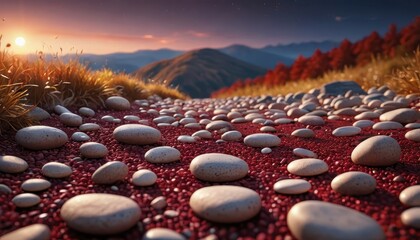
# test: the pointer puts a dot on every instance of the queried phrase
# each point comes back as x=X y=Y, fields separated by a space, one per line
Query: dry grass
x=401 y=74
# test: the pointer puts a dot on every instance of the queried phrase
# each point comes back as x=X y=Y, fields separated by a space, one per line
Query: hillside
x=199 y=72
x=305 y=49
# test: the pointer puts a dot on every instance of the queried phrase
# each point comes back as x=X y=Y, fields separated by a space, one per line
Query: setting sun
x=20 y=41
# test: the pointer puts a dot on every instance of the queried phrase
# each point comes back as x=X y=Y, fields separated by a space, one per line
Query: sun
x=20 y=41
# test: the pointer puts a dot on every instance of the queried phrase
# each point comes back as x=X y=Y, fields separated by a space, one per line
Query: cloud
x=148 y=36
x=198 y=34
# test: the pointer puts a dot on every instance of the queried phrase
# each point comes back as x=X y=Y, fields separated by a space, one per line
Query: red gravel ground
x=176 y=183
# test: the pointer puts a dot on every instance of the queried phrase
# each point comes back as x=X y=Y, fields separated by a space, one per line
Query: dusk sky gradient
x=106 y=26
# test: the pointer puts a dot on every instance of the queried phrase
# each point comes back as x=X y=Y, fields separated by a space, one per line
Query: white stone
x=292 y=186
x=307 y=167
x=366 y=116
x=305 y=153
x=100 y=213
x=311 y=120
x=110 y=173
x=136 y=134
x=41 y=137
x=117 y=103
x=322 y=220
x=163 y=154
x=186 y=139
x=346 y=131
x=80 y=137
x=35 y=185
x=86 y=127
x=56 y=170
x=86 y=112
x=402 y=115
x=38 y=114
x=218 y=124
x=159 y=203
x=283 y=121
x=267 y=129
x=162 y=234
x=411 y=196
x=218 y=167
x=225 y=204
x=93 y=150
x=377 y=151
x=303 y=133
x=71 y=119
x=202 y=134
x=60 y=109
x=413 y=135
x=108 y=118
x=266 y=150
x=35 y=231
x=363 y=123
x=131 y=118
x=262 y=140
x=232 y=136
x=388 y=125
x=164 y=119
x=413 y=125
x=144 y=177
x=354 y=183
x=411 y=217
x=5 y=189
x=12 y=164
x=24 y=200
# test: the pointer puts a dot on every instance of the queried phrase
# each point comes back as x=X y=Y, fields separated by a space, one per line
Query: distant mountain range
x=293 y=50
x=200 y=72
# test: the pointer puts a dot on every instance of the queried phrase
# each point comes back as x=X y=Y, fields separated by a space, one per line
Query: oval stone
x=117 y=103
x=38 y=114
x=162 y=233
x=110 y=173
x=86 y=127
x=100 y=213
x=218 y=124
x=413 y=135
x=388 y=125
x=354 y=183
x=311 y=120
x=80 y=137
x=377 y=151
x=303 y=133
x=164 y=119
x=164 y=154
x=411 y=196
x=307 y=167
x=32 y=232
x=41 y=137
x=262 y=140
x=202 y=134
x=87 y=112
x=93 y=150
x=24 y=200
x=5 y=189
x=322 y=220
x=35 y=185
x=186 y=139
x=363 y=123
x=136 y=134
x=232 y=136
x=292 y=186
x=225 y=204
x=144 y=177
x=346 y=131
x=411 y=217
x=218 y=167
x=56 y=170
x=71 y=119
x=402 y=115
x=305 y=153
x=12 y=164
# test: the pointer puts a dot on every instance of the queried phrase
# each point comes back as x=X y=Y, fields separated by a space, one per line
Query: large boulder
x=341 y=87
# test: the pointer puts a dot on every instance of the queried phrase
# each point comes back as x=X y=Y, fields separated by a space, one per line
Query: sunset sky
x=106 y=26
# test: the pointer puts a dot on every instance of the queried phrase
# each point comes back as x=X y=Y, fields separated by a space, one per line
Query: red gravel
x=176 y=183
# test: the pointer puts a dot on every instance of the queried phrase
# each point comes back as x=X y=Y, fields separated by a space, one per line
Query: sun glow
x=20 y=41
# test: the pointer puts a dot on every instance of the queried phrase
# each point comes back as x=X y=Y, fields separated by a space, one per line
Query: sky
x=107 y=26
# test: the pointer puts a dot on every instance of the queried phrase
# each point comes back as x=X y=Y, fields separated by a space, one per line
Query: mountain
x=293 y=50
x=200 y=72
x=255 y=56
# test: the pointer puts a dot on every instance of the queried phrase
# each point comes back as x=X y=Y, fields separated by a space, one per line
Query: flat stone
x=411 y=217
x=225 y=204
x=413 y=125
x=100 y=213
x=363 y=123
x=158 y=203
x=311 y=120
x=187 y=120
x=110 y=173
x=56 y=170
x=402 y=115
x=38 y=114
x=218 y=167
x=388 y=125
x=283 y=121
x=117 y=103
x=305 y=153
x=164 y=154
x=218 y=124
x=164 y=119
x=131 y=118
x=35 y=185
x=60 y=109
x=267 y=129
x=24 y=200
x=303 y=133
x=341 y=87
x=413 y=135
x=86 y=112
x=144 y=177
x=136 y=134
x=87 y=127
x=322 y=220
x=232 y=136
x=307 y=167
x=266 y=150
x=192 y=125
x=411 y=196
x=292 y=186
x=31 y=232
x=354 y=183
x=346 y=131
x=93 y=150
x=41 y=137
x=202 y=134
x=80 y=137
x=186 y=139
x=71 y=119
x=346 y=112
x=108 y=118
x=366 y=116
x=377 y=151
x=262 y=140
x=12 y=164
x=5 y=189
x=162 y=234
